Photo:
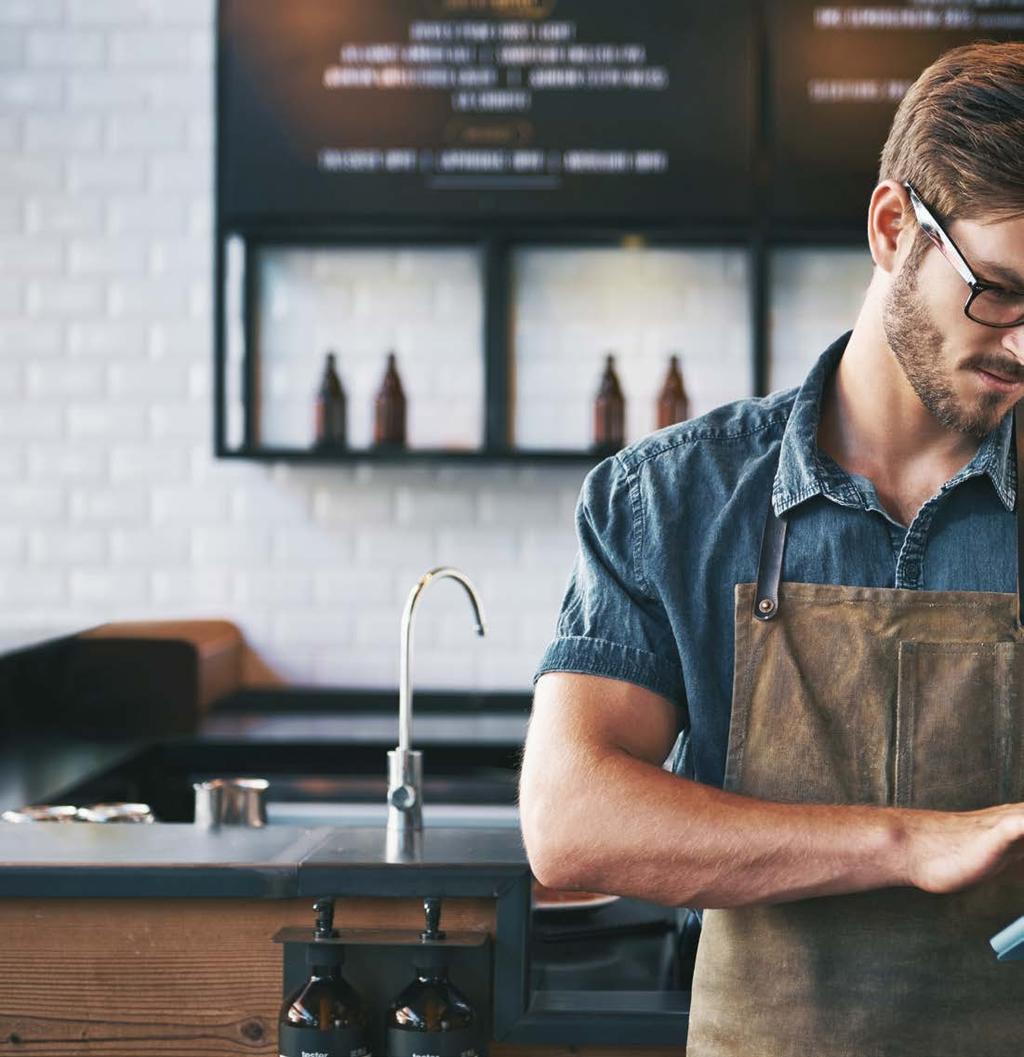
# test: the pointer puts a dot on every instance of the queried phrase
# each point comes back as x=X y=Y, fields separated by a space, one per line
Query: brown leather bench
x=147 y=678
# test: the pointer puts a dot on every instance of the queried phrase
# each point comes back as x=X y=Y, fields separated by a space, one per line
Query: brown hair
x=958 y=135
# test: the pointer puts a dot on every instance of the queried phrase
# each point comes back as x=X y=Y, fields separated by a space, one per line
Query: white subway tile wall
x=113 y=506
x=815 y=297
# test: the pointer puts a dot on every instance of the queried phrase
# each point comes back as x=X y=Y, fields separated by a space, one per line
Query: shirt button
x=912 y=570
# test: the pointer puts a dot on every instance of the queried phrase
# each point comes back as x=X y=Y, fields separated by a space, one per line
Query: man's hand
x=949 y=851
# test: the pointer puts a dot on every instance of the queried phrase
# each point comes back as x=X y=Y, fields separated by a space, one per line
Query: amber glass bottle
x=325 y=1015
x=389 y=409
x=430 y=1017
x=609 y=410
x=673 y=403
x=331 y=408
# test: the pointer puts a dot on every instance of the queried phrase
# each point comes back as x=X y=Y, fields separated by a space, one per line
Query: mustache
x=1010 y=369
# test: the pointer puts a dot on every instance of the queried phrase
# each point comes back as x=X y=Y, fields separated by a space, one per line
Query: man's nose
x=1013 y=342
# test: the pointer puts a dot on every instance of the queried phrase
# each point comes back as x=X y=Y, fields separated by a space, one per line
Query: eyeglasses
x=992 y=305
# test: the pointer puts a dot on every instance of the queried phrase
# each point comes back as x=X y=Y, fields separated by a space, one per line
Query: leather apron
x=858 y=695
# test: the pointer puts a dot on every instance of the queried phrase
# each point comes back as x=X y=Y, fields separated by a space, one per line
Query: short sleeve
x=611 y=621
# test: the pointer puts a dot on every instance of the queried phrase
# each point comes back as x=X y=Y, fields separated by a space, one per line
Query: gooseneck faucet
x=405 y=765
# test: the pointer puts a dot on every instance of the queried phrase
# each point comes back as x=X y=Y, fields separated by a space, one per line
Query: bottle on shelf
x=609 y=410
x=389 y=409
x=430 y=1017
x=326 y=1014
x=331 y=417
x=673 y=403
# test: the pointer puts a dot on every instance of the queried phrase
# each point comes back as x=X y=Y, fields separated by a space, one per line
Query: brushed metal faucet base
x=405 y=790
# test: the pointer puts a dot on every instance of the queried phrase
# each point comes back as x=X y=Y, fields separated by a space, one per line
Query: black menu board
x=837 y=73
x=486 y=109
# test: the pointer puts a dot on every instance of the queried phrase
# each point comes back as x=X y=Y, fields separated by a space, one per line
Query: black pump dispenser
x=430 y=957
x=325 y=1016
x=324 y=929
x=432 y=912
x=320 y=952
x=430 y=1017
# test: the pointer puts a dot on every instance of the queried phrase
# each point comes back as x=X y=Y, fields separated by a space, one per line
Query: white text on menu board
x=494 y=68
x=928 y=16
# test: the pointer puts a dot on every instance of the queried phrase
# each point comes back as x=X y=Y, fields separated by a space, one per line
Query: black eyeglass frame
x=949 y=249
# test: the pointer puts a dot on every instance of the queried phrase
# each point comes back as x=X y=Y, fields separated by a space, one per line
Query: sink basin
x=459 y=816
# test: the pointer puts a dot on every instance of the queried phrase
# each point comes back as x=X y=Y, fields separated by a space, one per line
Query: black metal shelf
x=387 y=937
x=403 y=455
x=759 y=239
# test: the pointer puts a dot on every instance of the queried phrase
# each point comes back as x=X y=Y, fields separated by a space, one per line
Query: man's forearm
x=632 y=828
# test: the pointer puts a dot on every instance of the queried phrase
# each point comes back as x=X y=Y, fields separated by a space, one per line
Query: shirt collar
x=994 y=458
x=803 y=473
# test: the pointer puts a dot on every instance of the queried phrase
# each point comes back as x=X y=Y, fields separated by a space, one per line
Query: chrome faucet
x=405 y=765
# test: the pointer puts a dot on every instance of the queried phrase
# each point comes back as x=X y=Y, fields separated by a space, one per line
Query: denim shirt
x=669 y=525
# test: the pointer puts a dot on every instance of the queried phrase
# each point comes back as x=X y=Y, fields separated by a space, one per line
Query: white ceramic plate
x=590 y=902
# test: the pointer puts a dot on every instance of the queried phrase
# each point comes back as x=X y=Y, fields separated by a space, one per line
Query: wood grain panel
x=177 y=978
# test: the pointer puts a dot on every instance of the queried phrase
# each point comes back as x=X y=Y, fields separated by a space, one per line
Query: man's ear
x=889 y=204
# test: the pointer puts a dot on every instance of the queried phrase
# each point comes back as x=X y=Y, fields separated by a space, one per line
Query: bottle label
x=293 y=1041
x=462 y=1043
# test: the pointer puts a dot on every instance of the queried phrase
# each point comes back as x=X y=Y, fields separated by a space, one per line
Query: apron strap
x=1018 y=444
x=769 y=566
x=773 y=541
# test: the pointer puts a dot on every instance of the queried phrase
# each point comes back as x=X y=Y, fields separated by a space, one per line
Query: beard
x=918 y=347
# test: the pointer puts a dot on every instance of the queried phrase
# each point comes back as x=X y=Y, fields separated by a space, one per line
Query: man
x=818 y=592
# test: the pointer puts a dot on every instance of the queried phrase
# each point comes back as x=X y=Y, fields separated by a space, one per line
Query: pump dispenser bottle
x=325 y=1017
x=430 y=1017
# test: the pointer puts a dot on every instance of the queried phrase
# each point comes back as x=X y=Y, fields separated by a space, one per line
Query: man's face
x=966 y=374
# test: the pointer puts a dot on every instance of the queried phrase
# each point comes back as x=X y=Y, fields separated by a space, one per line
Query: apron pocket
x=955 y=725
